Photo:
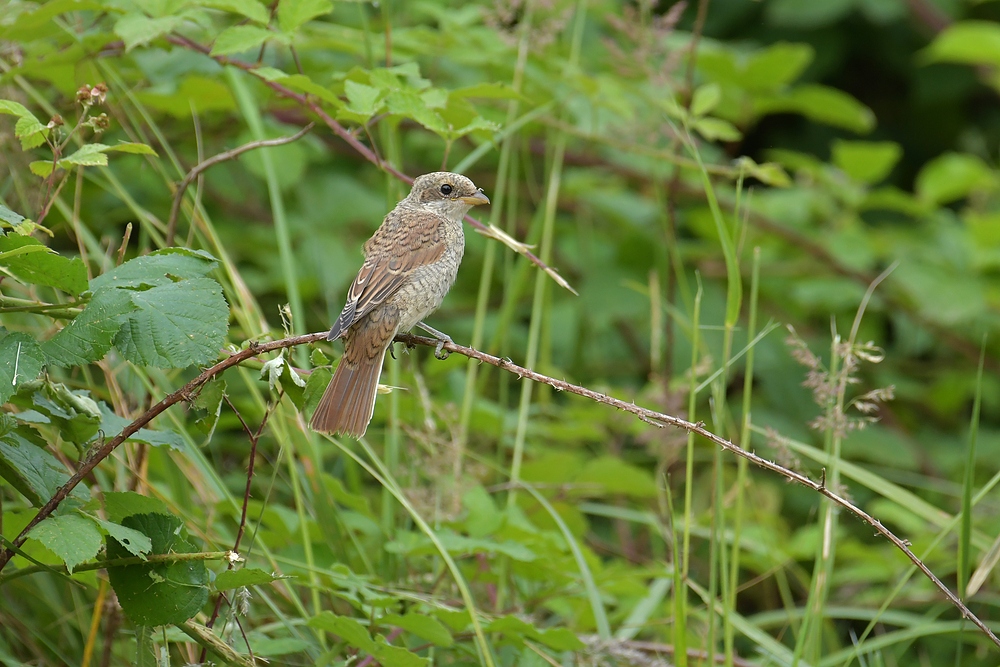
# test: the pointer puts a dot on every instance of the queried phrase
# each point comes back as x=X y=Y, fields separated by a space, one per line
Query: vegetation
x=777 y=221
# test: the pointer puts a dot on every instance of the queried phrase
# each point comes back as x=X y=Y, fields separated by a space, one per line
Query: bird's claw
x=440 y=352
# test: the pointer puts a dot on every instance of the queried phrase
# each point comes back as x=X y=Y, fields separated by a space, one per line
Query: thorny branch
x=352 y=141
x=653 y=417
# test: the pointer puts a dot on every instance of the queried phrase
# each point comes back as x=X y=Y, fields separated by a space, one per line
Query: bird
x=411 y=261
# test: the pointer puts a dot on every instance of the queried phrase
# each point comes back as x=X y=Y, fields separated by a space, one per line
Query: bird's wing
x=406 y=241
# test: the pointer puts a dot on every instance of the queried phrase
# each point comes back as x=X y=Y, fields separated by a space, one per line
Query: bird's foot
x=442 y=338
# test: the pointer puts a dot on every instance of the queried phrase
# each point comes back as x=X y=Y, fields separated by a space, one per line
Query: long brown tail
x=349 y=400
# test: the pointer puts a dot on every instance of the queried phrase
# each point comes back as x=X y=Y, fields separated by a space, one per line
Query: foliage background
x=872 y=127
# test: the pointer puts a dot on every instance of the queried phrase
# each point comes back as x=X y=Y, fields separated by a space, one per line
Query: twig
x=653 y=417
x=350 y=139
x=231 y=154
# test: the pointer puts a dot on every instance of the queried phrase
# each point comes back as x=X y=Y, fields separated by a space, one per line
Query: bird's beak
x=476 y=199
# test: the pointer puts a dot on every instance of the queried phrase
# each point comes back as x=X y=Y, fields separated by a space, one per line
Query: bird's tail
x=349 y=400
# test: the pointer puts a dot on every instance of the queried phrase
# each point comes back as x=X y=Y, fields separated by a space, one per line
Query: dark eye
x=446 y=189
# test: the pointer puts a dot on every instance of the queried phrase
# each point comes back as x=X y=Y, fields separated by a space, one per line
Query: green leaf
x=70 y=536
x=952 y=176
x=356 y=635
x=518 y=630
x=614 y=476
x=207 y=406
x=361 y=99
x=705 y=99
x=716 y=129
x=425 y=627
x=967 y=42
x=136 y=29
x=30 y=131
x=175 y=325
x=112 y=425
x=251 y=9
x=409 y=104
x=21 y=360
x=28 y=128
x=11 y=218
x=42 y=268
x=822 y=104
x=776 y=66
x=134 y=541
x=294 y=13
x=91 y=333
x=33 y=471
x=120 y=504
x=161 y=267
x=240 y=38
x=41 y=167
x=88 y=155
x=248 y=576
x=160 y=593
x=866 y=161
x=130 y=147
x=306 y=85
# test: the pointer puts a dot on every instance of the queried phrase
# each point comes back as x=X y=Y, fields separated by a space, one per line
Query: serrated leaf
x=240 y=38
x=120 y=504
x=12 y=108
x=88 y=155
x=356 y=635
x=70 y=536
x=136 y=29
x=175 y=325
x=41 y=167
x=294 y=13
x=161 y=267
x=44 y=267
x=12 y=218
x=134 y=541
x=90 y=335
x=409 y=104
x=362 y=99
x=30 y=131
x=425 y=627
x=160 y=593
x=33 y=471
x=304 y=84
x=705 y=99
x=248 y=576
x=866 y=161
x=21 y=360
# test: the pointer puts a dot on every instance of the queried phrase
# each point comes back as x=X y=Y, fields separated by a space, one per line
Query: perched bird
x=410 y=264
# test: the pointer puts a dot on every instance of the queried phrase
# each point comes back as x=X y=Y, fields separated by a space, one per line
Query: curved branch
x=658 y=419
x=232 y=154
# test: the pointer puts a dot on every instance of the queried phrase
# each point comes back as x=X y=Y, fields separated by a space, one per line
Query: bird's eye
x=446 y=189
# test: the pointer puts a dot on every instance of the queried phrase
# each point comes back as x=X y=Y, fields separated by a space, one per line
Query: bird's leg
x=442 y=338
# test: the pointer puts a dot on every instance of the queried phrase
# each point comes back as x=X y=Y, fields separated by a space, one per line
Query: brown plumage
x=410 y=264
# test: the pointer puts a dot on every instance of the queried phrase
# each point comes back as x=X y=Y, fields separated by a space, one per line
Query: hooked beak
x=476 y=199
